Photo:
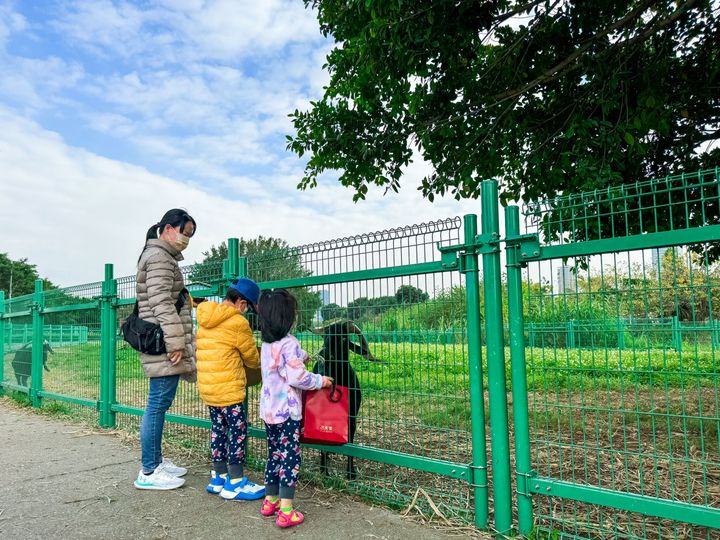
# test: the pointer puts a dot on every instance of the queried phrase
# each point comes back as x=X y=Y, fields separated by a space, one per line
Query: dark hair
x=276 y=310
x=233 y=296
x=177 y=217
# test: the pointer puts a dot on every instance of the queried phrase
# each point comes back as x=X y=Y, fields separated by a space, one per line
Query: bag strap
x=182 y=298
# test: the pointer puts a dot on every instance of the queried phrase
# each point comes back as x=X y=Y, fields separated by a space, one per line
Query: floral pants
x=229 y=430
x=283 y=463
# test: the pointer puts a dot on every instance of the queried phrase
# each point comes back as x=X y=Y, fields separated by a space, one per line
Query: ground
x=61 y=480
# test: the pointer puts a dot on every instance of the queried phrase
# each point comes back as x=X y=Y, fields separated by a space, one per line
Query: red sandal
x=269 y=508
x=289 y=520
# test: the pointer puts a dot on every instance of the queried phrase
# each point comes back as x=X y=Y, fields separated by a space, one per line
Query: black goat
x=335 y=363
x=22 y=362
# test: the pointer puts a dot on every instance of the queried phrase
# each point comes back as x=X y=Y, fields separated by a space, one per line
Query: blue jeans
x=161 y=395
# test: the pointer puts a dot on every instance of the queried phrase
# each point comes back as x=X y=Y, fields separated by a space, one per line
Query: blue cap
x=248 y=289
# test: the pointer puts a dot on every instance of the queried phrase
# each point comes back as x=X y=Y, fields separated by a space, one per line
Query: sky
x=114 y=111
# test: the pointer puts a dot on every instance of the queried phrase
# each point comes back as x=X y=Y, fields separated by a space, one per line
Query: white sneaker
x=169 y=467
x=159 y=480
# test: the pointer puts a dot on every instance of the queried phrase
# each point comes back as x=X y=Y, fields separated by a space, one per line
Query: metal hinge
x=453 y=257
x=523 y=481
x=528 y=246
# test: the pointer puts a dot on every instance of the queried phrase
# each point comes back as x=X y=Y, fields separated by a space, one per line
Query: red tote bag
x=325 y=416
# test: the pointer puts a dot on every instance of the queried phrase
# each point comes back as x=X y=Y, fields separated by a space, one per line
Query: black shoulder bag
x=144 y=336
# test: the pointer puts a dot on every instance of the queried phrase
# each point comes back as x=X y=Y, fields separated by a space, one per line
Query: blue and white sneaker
x=217 y=481
x=242 y=490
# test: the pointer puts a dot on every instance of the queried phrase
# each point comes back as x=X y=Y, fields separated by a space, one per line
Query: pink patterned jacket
x=284 y=377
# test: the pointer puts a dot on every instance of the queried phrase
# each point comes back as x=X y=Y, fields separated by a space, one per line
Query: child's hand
x=327 y=382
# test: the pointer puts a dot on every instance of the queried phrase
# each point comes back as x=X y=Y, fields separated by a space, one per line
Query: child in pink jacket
x=284 y=378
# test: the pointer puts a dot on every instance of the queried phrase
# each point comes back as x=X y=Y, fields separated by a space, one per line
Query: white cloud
x=70 y=211
x=218 y=30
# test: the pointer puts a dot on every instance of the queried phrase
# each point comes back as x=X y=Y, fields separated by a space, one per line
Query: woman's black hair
x=177 y=217
x=276 y=310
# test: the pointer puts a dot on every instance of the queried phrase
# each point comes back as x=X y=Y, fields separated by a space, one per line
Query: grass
x=637 y=420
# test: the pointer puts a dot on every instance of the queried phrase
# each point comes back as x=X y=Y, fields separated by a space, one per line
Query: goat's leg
x=324 y=463
x=351 y=470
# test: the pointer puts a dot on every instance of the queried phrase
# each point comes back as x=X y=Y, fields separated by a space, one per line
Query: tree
x=333 y=311
x=365 y=308
x=408 y=294
x=23 y=276
x=269 y=259
x=548 y=96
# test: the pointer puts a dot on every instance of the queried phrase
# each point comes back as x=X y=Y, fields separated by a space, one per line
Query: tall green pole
x=230 y=266
x=233 y=264
x=242 y=272
x=108 y=325
x=36 y=369
x=2 y=340
x=497 y=388
x=523 y=468
x=477 y=402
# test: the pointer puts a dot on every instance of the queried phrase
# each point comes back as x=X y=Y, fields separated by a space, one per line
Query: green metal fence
x=596 y=321
x=624 y=438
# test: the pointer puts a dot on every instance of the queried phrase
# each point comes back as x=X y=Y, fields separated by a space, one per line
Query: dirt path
x=60 y=480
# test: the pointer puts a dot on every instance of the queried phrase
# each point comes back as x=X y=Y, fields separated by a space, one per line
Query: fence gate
x=617 y=438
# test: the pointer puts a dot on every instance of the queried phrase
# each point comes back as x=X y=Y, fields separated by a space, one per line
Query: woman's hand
x=175 y=357
x=327 y=382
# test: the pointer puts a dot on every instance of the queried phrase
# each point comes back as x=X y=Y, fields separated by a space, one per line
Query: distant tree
x=407 y=294
x=22 y=274
x=333 y=311
x=364 y=307
x=269 y=259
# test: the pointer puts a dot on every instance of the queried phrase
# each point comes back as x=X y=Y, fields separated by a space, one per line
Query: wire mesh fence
x=622 y=367
x=610 y=338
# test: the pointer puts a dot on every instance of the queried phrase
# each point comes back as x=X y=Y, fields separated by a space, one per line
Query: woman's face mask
x=181 y=241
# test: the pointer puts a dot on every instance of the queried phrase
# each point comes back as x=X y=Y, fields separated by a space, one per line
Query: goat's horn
x=352 y=327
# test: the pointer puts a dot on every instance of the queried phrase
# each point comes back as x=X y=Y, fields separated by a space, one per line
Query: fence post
x=230 y=266
x=36 y=368
x=518 y=373
x=2 y=340
x=676 y=334
x=495 y=342
x=479 y=480
x=570 y=334
x=108 y=346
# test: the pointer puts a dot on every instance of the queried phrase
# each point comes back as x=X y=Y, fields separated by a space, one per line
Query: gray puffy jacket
x=159 y=283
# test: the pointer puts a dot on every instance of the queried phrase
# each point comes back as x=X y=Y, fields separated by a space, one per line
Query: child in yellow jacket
x=225 y=348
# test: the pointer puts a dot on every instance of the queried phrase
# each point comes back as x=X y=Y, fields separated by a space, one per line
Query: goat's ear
x=353 y=328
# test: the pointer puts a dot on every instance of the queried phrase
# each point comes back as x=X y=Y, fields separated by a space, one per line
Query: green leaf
x=629 y=138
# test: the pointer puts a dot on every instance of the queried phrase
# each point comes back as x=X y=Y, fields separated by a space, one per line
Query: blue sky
x=114 y=111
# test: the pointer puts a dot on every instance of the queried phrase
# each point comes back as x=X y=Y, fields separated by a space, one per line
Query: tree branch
x=565 y=66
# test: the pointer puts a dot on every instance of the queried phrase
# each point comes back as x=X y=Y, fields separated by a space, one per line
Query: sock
x=272 y=498
x=148 y=473
x=286 y=510
x=220 y=467
x=235 y=470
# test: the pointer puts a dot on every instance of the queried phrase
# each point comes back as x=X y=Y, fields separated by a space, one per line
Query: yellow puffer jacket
x=225 y=346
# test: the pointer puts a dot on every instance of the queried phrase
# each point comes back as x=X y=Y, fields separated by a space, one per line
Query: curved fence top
x=411 y=244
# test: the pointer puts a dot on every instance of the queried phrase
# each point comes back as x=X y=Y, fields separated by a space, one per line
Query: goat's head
x=337 y=342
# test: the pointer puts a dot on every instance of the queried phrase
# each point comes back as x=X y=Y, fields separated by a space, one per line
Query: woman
x=159 y=286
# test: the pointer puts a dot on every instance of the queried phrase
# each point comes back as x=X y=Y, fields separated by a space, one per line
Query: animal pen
x=557 y=377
